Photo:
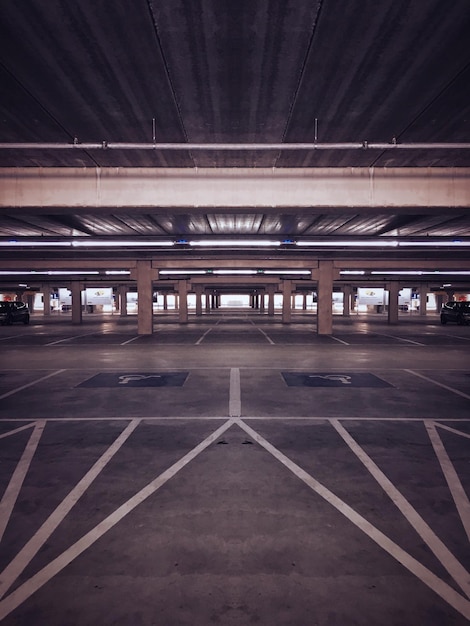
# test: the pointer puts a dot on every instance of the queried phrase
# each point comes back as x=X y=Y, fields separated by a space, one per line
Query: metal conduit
x=104 y=145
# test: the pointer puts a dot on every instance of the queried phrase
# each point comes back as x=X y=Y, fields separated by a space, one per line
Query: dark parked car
x=456 y=312
x=14 y=312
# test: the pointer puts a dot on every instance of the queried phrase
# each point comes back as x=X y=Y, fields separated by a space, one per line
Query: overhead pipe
x=364 y=145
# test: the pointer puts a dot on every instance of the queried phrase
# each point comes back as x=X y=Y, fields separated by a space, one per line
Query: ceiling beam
x=235 y=187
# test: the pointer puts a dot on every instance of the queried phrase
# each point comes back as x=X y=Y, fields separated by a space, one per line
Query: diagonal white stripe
x=11 y=494
x=32 y=547
x=452 y=430
x=22 y=593
x=34 y=382
x=455 y=486
x=434 y=382
x=17 y=430
x=445 y=591
x=440 y=550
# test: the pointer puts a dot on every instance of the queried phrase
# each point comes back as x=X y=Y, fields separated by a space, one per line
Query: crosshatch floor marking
x=446 y=592
x=24 y=591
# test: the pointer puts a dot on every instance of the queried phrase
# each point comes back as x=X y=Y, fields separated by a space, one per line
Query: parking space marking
x=440 y=587
x=235 y=406
x=263 y=333
x=38 y=580
x=13 y=337
x=54 y=343
x=415 y=343
x=439 y=549
x=32 y=547
x=435 y=382
x=200 y=340
x=345 y=343
x=34 y=382
x=453 y=481
x=16 y=481
x=124 y=343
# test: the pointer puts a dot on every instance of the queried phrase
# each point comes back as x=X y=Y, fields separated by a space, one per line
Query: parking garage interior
x=235 y=226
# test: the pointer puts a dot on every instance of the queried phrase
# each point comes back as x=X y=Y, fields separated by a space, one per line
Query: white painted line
x=415 y=343
x=124 y=343
x=54 y=343
x=440 y=550
x=199 y=341
x=32 y=547
x=461 y=337
x=267 y=336
x=434 y=382
x=24 y=591
x=445 y=591
x=14 y=337
x=16 y=481
x=458 y=492
x=35 y=382
x=17 y=430
x=340 y=340
x=235 y=405
x=453 y=430
x=263 y=333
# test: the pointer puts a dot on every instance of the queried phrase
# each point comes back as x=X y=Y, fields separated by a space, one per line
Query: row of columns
x=325 y=279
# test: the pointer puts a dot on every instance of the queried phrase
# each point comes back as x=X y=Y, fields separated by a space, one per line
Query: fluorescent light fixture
x=349 y=243
x=34 y=244
x=422 y=272
x=234 y=243
x=235 y=272
x=352 y=272
x=117 y=272
x=293 y=272
x=48 y=273
x=100 y=243
x=179 y=272
x=435 y=244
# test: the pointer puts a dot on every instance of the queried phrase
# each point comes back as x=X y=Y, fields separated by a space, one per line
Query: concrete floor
x=235 y=471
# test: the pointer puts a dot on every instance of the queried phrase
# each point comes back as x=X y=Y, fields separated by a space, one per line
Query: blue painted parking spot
x=137 y=379
x=344 y=380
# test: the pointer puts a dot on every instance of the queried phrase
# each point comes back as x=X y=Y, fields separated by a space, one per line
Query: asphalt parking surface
x=235 y=471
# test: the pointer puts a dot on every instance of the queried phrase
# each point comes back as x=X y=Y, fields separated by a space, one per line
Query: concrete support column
x=393 y=291
x=46 y=299
x=30 y=302
x=144 y=298
x=325 y=298
x=198 y=291
x=76 y=289
x=304 y=302
x=208 y=302
x=183 y=301
x=261 y=302
x=286 y=301
x=423 y=299
x=271 y=300
x=439 y=302
x=122 y=299
x=347 y=292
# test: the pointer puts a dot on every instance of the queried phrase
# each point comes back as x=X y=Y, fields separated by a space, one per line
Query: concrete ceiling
x=206 y=71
